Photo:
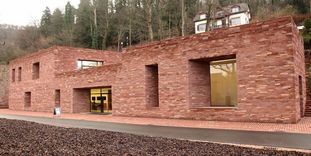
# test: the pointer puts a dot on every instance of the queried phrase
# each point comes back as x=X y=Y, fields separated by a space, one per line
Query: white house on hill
x=228 y=16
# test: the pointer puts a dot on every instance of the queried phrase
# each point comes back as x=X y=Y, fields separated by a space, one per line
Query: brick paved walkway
x=304 y=126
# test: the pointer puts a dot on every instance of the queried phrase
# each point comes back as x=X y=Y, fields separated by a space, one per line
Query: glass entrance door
x=101 y=100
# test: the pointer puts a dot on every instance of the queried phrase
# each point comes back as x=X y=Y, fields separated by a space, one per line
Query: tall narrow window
x=36 y=70
x=301 y=96
x=13 y=75
x=223 y=83
x=152 y=85
x=57 y=98
x=19 y=76
x=27 y=99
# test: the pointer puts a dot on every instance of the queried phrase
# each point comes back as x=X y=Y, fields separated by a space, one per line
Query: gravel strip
x=29 y=138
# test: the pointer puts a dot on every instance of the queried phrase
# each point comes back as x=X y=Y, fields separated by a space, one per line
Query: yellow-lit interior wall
x=223 y=83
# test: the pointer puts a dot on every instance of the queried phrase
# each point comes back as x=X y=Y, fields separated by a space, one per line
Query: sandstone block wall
x=4 y=86
x=52 y=61
x=75 y=85
x=269 y=59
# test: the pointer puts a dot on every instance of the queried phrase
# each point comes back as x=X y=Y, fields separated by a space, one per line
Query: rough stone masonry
x=3 y=86
x=171 y=78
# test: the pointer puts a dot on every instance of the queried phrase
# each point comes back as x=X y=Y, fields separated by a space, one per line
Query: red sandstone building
x=252 y=72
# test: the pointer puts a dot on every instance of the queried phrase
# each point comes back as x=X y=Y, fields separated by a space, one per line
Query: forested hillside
x=113 y=24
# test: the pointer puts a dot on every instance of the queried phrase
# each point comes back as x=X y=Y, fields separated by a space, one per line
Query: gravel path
x=28 y=138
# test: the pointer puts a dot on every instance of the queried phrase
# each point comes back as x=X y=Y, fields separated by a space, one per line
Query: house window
x=223 y=83
x=19 y=76
x=235 y=21
x=13 y=75
x=214 y=24
x=57 y=98
x=220 y=13
x=213 y=82
x=201 y=27
x=84 y=64
x=202 y=16
x=152 y=85
x=35 y=71
x=27 y=99
x=235 y=9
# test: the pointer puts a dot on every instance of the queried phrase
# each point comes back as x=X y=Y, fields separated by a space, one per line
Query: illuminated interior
x=101 y=100
x=223 y=83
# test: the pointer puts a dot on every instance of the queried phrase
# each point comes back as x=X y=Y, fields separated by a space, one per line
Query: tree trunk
x=169 y=26
x=159 y=10
x=104 y=43
x=106 y=28
x=130 y=23
x=120 y=33
x=183 y=17
x=149 y=19
x=94 y=31
x=208 y=16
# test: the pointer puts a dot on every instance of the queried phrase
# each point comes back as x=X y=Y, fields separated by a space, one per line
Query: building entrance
x=101 y=100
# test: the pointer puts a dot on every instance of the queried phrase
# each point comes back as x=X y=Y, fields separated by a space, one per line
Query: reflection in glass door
x=101 y=100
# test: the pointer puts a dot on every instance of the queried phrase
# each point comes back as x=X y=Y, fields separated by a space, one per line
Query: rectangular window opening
x=36 y=71
x=152 y=85
x=19 y=76
x=235 y=21
x=57 y=98
x=201 y=27
x=13 y=75
x=301 y=96
x=223 y=83
x=27 y=99
x=84 y=64
x=213 y=82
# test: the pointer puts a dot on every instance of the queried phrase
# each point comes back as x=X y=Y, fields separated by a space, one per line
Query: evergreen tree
x=69 y=18
x=57 y=27
x=83 y=26
x=57 y=22
x=46 y=22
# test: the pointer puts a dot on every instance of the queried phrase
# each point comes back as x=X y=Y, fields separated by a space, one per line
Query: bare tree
x=183 y=17
x=159 y=7
x=148 y=10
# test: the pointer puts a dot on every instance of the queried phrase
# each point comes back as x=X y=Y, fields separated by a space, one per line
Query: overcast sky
x=26 y=12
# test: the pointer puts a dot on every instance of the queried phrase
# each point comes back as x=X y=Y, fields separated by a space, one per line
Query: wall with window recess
x=244 y=73
x=68 y=57
x=35 y=77
x=259 y=57
x=31 y=81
